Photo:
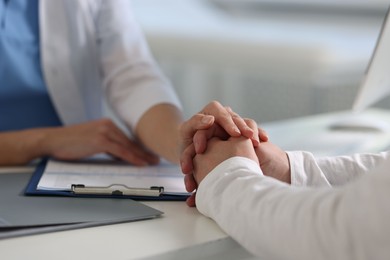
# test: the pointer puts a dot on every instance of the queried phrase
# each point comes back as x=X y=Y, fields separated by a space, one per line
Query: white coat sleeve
x=278 y=221
x=306 y=170
x=132 y=80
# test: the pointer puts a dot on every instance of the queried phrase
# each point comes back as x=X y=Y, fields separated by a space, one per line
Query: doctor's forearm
x=158 y=130
x=21 y=147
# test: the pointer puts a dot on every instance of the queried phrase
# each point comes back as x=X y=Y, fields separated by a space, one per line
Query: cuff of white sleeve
x=209 y=188
x=297 y=169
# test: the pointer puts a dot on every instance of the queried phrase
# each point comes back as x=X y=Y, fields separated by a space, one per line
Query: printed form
x=60 y=176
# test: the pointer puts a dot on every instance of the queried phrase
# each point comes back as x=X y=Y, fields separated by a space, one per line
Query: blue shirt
x=24 y=100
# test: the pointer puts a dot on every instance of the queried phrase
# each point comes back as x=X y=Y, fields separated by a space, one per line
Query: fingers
x=130 y=153
x=191 y=200
x=119 y=145
x=245 y=129
x=222 y=117
x=255 y=131
x=231 y=123
x=186 y=159
x=190 y=185
x=190 y=182
x=138 y=151
x=263 y=135
x=195 y=123
x=201 y=137
x=214 y=121
x=100 y=136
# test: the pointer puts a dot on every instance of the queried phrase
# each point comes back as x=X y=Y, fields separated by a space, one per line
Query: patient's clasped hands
x=216 y=134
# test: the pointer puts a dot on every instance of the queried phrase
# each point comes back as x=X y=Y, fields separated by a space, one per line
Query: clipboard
x=117 y=189
x=25 y=215
x=120 y=191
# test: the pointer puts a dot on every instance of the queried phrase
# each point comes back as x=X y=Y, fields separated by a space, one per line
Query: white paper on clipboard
x=60 y=176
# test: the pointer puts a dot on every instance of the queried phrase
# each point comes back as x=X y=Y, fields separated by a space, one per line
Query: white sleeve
x=306 y=170
x=132 y=80
x=278 y=221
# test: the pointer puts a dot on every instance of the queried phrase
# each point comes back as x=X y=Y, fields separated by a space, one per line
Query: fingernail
x=249 y=129
x=236 y=130
x=207 y=120
x=183 y=167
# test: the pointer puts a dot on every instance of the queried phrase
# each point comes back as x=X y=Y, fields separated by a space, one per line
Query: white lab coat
x=277 y=221
x=92 y=50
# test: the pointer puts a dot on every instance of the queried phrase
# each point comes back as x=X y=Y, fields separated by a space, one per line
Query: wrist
x=40 y=142
x=21 y=147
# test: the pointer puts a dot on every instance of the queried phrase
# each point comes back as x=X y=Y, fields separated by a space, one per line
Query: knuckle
x=194 y=118
x=235 y=116
x=99 y=141
x=250 y=121
x=197 y=117
x=215 y=103
x=105 y=126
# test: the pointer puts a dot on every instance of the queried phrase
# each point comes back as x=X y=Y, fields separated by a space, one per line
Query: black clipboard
x=31 y=190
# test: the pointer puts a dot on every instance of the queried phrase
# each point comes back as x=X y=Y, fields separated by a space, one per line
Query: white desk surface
x=180 y=227
x=312 y=133
x=182 y=232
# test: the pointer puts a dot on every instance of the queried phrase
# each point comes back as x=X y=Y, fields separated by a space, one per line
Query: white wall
x=269 y=65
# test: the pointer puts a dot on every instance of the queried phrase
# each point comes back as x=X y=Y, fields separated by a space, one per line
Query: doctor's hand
x=86 y=139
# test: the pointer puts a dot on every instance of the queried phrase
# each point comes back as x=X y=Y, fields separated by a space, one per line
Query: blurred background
x=267 y=59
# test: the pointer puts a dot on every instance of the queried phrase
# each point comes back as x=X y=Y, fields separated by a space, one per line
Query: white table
x=182 y=232
x=179 y=228
x=313 y=133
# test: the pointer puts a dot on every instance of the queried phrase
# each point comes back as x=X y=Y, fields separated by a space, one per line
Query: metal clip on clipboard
x=118 y=190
